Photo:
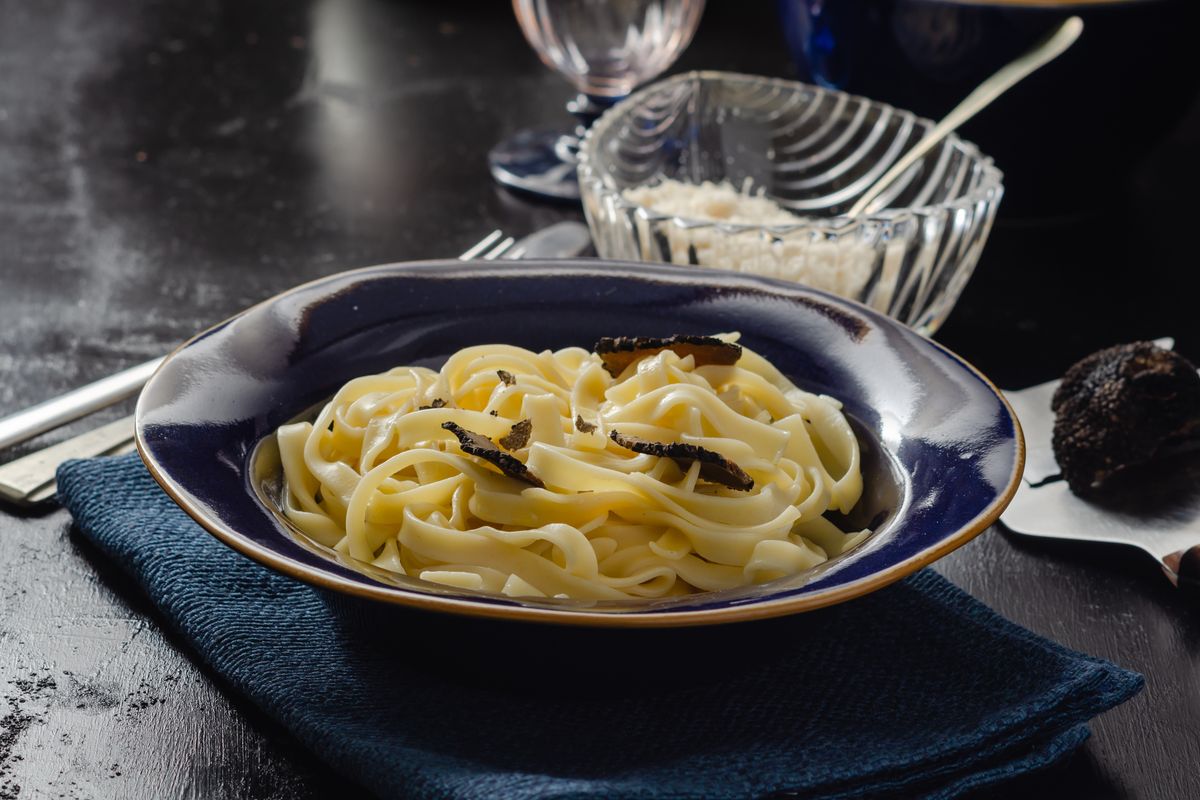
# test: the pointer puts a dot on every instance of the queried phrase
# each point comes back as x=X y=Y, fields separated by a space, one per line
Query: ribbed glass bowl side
x=814 y=151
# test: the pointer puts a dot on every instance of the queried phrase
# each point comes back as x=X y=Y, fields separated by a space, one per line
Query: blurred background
x=284 y=140
x=165 y=164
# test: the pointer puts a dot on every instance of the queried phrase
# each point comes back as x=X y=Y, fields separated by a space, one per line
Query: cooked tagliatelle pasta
x=519 y=472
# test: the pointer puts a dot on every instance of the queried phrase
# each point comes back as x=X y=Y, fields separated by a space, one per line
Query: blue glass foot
x=538 y=162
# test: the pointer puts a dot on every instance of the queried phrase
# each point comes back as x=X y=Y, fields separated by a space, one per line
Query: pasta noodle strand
x=380 y=475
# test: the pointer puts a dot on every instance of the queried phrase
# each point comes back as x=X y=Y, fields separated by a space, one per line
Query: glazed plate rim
x=744 y=610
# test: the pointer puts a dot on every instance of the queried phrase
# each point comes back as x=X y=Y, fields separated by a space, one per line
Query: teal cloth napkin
x=916 y=690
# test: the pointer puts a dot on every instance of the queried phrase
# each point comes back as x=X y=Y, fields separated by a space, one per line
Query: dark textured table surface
x=164 y=164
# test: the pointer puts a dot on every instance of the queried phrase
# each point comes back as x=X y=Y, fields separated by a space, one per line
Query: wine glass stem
x=587 y=109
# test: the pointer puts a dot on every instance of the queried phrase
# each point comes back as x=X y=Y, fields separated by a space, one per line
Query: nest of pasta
x=645 y=468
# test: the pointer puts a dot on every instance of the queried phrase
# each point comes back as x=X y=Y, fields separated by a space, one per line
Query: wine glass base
x=531 y=161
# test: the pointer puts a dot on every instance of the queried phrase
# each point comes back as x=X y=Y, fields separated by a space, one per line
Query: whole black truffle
x=1120 y=407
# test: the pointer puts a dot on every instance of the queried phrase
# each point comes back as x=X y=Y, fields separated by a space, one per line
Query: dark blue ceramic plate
x=942 y=449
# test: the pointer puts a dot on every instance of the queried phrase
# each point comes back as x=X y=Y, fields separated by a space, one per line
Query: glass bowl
x=813 y=151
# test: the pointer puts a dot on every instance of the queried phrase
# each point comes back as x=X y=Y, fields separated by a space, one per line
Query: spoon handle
x=1008 y=75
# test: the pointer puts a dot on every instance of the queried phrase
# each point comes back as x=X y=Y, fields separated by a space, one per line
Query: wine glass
x=605 y=48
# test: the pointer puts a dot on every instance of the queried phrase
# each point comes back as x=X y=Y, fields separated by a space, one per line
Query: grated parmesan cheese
x=713 y=202
x=839 y=263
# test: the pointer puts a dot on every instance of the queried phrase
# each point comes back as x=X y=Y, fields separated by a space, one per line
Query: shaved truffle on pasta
x=402 y=470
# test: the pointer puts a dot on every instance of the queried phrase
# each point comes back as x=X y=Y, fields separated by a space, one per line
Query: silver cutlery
x=74 y=404
x=1166 y=525
x=29 y=480
x=1004 y=79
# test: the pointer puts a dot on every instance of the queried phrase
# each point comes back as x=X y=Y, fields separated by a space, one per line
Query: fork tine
x=482 y=245
x=499 y=249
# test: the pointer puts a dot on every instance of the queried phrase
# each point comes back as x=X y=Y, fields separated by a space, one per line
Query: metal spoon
x=1007 y=76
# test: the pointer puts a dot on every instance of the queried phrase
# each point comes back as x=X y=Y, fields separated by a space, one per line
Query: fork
x=29 y=480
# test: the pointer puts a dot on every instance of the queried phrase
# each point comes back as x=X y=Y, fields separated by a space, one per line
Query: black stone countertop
x=165 y=164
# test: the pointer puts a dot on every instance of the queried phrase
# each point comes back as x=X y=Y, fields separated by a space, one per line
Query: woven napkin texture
x=916 y=690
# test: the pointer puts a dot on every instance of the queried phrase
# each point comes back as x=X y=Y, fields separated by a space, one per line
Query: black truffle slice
x=506 y=377
x=1119 y=408
x=583 y=426
x=476 y=444
x=518 y=435
x=714 y=467
x=619 y=353
x=437 y=402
